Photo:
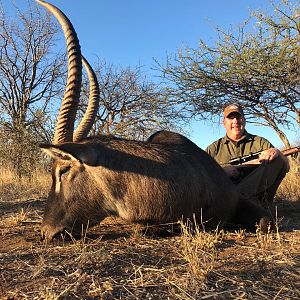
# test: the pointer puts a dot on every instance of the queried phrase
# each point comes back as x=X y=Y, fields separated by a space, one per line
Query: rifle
x=253 y=158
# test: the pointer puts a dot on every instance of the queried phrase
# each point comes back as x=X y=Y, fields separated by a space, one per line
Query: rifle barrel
x=252 y=158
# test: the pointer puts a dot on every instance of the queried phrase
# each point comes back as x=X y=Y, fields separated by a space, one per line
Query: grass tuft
x=198 y=248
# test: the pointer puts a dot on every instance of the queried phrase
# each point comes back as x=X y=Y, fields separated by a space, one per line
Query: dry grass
x=13 y=188
x=290 y=186
x=115 y=260
x=199 y=249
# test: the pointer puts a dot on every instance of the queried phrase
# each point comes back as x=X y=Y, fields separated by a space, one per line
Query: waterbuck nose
x=48 y=232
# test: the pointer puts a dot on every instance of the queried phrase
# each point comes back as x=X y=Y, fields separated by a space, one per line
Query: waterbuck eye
x=64 y=170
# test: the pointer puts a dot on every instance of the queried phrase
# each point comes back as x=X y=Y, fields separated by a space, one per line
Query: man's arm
x=268 y=155
x=265 y=157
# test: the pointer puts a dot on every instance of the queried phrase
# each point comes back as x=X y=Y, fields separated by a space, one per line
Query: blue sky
x=135 y=32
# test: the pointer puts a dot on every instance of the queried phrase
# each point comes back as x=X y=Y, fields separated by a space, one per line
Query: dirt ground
x=116 y=260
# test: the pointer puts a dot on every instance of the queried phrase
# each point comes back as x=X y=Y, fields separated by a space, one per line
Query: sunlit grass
x=289 y=188
x=198 y=248
x=14 y=188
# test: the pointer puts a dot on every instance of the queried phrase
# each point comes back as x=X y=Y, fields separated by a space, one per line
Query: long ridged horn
x=67 y=113
x=90 y=114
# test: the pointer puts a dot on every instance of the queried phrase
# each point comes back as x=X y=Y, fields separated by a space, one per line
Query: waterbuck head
x=61 y=210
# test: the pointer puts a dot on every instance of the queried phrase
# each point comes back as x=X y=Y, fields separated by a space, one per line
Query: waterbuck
x=164 y=179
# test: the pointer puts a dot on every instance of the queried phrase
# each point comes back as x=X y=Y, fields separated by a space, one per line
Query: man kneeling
x=259 y=182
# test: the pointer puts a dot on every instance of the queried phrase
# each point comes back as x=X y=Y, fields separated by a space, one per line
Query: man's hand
x=268 y=155
x=232 y=171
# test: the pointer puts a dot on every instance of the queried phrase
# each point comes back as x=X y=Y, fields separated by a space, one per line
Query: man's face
x=234 y=125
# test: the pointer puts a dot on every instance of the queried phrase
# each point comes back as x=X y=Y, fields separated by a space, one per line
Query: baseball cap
x=233 y=108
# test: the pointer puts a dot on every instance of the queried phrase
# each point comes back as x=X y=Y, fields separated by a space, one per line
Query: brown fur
x=161 y=180
x=138 y=181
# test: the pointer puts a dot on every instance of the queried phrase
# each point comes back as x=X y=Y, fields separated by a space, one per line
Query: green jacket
x=224 y=149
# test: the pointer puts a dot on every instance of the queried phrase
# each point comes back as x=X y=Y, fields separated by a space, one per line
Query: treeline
x=260 y=68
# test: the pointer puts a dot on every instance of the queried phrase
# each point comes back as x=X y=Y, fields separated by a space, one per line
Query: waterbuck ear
x=71 y=151
x=57 y=153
